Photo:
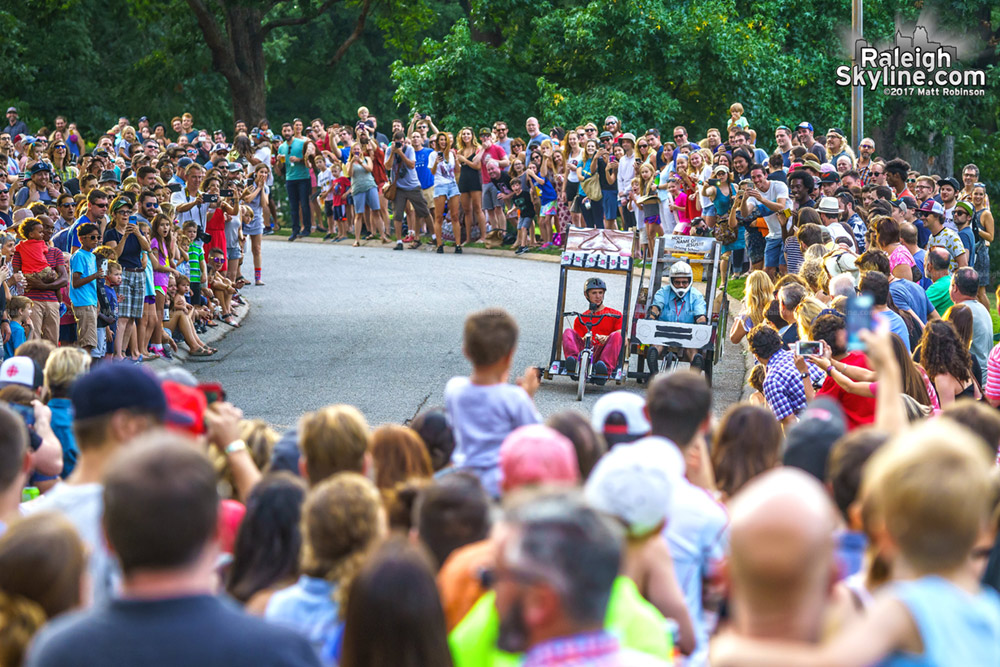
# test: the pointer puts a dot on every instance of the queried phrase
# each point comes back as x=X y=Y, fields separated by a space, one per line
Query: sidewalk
x=213 y=335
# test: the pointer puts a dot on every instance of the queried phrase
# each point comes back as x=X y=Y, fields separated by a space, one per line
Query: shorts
x=755 y=245
x=102 y=344
x=550 y=208
x=233 y=252
x=983 y=264
x=609 y=201
x=491 y=199
x=67 y=333
x=328 y=208
x=774 y=252
x=149 y=300
x=416 y=198
x=255 y=227
x=524 y=223
x=448 y=190
x=367 y=199
x=708 y=210
x=130 y=294
x=572 y=190
x=652 y=220
x=428 y=194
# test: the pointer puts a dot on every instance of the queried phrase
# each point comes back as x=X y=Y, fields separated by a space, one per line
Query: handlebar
x=590 y=327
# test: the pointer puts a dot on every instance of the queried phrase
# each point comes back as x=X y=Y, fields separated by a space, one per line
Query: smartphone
x=713 y=181
x=209 y=198
x=26 y=411
x=225 y=193
x=806 y=347
x=859 y=318
x=175 y=187
x=133 y=220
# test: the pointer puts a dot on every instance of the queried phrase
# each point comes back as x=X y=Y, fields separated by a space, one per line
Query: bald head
x=782 y=555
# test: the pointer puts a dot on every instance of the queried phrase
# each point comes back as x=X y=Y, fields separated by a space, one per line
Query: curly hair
x=341 y=520
x=942 y=351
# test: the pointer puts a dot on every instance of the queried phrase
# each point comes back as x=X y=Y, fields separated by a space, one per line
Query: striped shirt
x=54 y=256
x=196 y=255
x=992 y=387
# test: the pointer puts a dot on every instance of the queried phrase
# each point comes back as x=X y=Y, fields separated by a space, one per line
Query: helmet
x=681 y=269
x=594 y=283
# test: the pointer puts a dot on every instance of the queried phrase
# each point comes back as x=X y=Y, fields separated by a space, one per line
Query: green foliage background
x=469 y=62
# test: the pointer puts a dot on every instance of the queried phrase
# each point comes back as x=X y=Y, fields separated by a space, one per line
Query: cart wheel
x=709 y=366
x=583 y=368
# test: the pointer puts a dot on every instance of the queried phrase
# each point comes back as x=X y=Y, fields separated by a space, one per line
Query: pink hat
x=537 y=454
x=827 y=167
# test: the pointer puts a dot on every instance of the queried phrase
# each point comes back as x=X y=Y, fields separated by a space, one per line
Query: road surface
x=382 y=330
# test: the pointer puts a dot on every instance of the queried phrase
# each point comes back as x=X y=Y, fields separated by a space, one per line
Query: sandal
x=228 y=320
x=386 y=239
x=355 y=245
x=200 y=352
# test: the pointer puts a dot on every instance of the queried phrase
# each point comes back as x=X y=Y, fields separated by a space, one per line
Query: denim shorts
x=773 y=252
x=524 y=223
x=491 y=199
x=449 y=190
x=609 y=200
x=367 y=199
x=708 y=210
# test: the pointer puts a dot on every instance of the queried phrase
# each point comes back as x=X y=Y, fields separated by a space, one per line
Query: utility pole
x=857 y=92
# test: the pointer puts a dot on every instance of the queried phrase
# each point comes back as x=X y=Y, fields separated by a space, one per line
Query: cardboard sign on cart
x=607 y=249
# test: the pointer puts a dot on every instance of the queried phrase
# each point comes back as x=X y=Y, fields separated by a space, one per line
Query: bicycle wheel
x=584 y=371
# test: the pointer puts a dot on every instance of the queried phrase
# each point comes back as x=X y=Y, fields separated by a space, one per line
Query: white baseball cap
x=634 y=488
x=626 y=413
x=19 y=370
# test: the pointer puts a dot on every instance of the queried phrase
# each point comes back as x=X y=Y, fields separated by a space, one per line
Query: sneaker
x=652 y=361
x=328 y=237
x=458 y=250
x=268 y=232
x=600 y=373
x=523 y=249
x=570 y=365
x=440 y=250
x=398 y=246
x=167 y=354
x=697 y=362
x=292 y=237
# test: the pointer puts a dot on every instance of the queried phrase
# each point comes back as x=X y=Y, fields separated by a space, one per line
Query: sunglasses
x=96 y=205
x=60 y=148
x=643 y=145
x=67 y=205
x=151 y=205
x=911 y=180
x=871 y=148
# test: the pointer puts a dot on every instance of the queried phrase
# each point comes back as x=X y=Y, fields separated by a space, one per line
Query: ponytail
x=20 y=619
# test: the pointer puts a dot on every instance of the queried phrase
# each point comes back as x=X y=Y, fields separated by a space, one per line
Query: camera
x=225 y=192
x=203 y=237
x=713 y=181
x=175 y=187
x=209 y=198
x=423 y=116
x=397 y=144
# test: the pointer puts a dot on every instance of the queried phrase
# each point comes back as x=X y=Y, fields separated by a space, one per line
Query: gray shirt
x=83 y=506
x=406 y=178
x=982 y=335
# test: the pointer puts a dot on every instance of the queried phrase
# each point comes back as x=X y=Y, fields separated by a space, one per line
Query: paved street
x=382 y=330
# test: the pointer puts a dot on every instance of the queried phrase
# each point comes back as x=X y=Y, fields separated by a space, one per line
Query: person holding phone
x=129 y=246
x=86 y=272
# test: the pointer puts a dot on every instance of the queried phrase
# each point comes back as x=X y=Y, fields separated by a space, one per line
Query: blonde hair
x=647 y=186
x=814 y=274
x=63 y=367
x=461 y=145
x=931 y=487
x=758 y=295
x=333 y=439
x=808 y=310
x=341 y=519
x=736 y=106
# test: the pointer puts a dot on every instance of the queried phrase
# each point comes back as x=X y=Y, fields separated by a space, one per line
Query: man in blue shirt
x=877 y=284
x=677 y=302
x=400 y=163
x=292 y=155
x=422 y=155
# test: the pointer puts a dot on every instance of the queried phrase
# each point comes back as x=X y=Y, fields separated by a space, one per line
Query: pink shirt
x=900 y=255
x=992 y=388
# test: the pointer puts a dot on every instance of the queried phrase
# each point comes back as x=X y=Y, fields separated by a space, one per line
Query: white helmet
x=681 y=269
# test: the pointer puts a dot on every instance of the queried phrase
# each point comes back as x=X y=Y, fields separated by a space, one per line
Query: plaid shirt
x=866 y=173
x=589 y=649
x=783 y=387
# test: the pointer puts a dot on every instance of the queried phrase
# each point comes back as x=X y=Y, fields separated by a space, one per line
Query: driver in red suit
x=607 y=334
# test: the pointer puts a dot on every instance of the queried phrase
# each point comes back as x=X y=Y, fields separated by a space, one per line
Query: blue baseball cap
x=804 y=126
x=118 y=386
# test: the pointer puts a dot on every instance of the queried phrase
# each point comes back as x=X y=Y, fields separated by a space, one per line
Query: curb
x=426 y=247
x=213 y=335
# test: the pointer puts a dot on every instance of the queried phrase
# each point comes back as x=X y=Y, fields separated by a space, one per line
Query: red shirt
x=859 y=410
x=606 y=327
x=495 y=152
x=379 y=173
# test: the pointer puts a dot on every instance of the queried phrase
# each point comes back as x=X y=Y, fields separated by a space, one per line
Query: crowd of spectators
x=144 y=520
x=846 y=514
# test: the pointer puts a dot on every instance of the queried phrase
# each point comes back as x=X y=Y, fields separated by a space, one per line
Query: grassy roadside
x=286 y=232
